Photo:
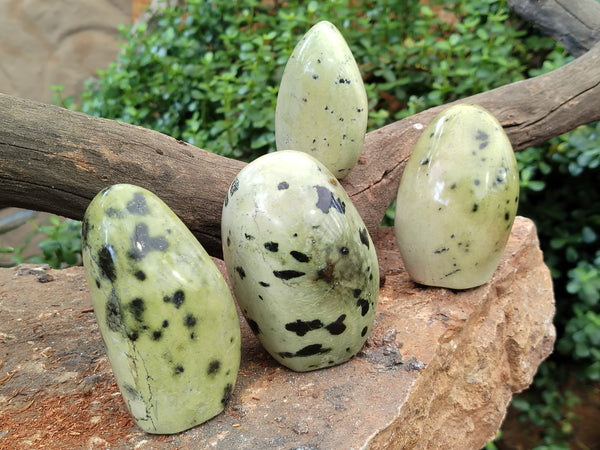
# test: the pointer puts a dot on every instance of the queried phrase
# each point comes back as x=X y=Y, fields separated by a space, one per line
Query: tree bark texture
x=56 y=160
x=573 y=23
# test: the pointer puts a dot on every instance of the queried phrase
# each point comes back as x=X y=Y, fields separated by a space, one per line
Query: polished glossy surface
x=322 y=103
x=164 y=310
x=457 y=199
x=302 y=264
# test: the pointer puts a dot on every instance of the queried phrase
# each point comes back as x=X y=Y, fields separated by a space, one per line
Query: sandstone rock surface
x=438 y=369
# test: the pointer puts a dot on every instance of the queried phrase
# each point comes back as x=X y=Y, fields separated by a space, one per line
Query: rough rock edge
x=476 y=404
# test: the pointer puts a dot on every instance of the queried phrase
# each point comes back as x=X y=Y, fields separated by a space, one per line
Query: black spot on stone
x=226 y=394
x=253 y=326
x=363 y=333
x=177 y=298
x=506 y=216
x=272 y=246
x=425 y=162
x=364 y=236
x=113 y=312
x=235 y=184
x=241 y=272
x=133 y=335
x=138 y=205
x=189 y=321
x=327 y=200
x=304 y=99
x=228 y=241
x=156 y=335
x=142 y=243
x=356 y=293
x=453 y=186
x=214 y=367
x=475 y=207
x=477 y=182
x=263 y=284
x=338 y=326
x=165 y=323
x=301 y=327
x=299 y=256
x=137 y=308
x=106 y=261
x=287 y=274
x=140 y=275
x=315 y=76
x=441 y=250
x=85 y=225
x=344 y=251
x=364 y=305
x=178 y=369
x=248 y=237
x=309 y=350
x=98 y=283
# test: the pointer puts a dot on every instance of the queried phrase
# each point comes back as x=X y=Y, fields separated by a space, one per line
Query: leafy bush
x=209 y=73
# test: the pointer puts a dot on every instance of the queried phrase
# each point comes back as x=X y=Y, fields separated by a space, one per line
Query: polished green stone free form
x=165 y=313
x=322 y=103
x=457 y=199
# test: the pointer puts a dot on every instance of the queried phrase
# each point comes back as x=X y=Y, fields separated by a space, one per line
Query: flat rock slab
x=438 y=370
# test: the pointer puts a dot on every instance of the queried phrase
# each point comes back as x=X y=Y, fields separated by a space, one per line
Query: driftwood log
x=56 y=160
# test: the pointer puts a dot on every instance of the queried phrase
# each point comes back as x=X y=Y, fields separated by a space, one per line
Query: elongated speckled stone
x=302 y=264
x=457 y=199
x=164 y=310
x=322 y=103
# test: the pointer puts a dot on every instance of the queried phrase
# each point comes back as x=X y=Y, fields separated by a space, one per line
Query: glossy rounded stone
x=322 y=103
x=165 y=313
x=457 y=199
x=302 y=264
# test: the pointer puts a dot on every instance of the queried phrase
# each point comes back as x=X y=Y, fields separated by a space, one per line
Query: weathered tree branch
x=531 y=112
x=56 y=160
x=573 y=23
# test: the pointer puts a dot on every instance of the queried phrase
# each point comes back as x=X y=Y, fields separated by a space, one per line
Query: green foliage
x=60 y=248
x=209 y=73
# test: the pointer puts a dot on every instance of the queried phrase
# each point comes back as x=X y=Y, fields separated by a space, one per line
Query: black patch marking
x=138 y=205
x=309 y=350
x=156 y=335
x=263 y=284
x=272 y=246
x=287 y=274
x=344 y=251
x=363 y=333
x=475 y=207
x=165 y=323
x=113 y=312
x=137 y=308
x=338 y=326
x=241 y=272
x=248 y=237
x=364 y=237
x=178 y=369
x=142 y=243
x=106 y=261
x=356 y=293
x=98 y=283
x=177 y=298
x=364 y=305
x=235 y=184
x=253 y=326
x=299 y=256
x=214 y=367
x=226 y=394
x=301 y=327
x=140 y=275
x=327 y=201
x=189 y=321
